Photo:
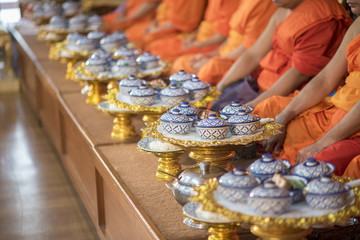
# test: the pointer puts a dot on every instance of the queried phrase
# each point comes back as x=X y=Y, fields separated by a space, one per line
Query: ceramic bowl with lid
x=120 y=37
x=173 y=95
x=76 y=25
x=267 y=165
x=175 y=123
x=148 y=61
x=96 y=64
x=125 y=66
x=71 y=39
x=94 y=22
x=142 y=95
x=85 y=44
x=57 y=22
x=180 y=77
x=188 y=110
x=212 y=128
x=243 y=124
x=236 y=186
x=269 y=199
x=182 y=187
x=197 y=89
x=325 y=193
x=312 y=169
x=123 y=51
x=96 y=35
x=109 y=43
x=130 y=83
x=233 y=109
x=70 y=8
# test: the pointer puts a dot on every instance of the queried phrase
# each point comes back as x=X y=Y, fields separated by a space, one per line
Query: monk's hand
x=309 y=151
x=275 y=143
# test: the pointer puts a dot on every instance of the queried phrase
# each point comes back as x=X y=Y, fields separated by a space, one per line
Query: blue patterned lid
x=128 y=61
x=119 y=35
x=94 y=19
x=73 y=37
x=242 y=117
x=100 y=54
x=173 y=91
x=96 y=35
x=123 y=51
x=57 y=20
x=195 y=84
x=78 y=18
x=180 y=76
x=95 y=61
x=235 y=107
x=268 y=165
x=212 y=121
x=147 y=57
x=85 y=41
x=108 y=39
x=269 y=190
x=312 y=168
x=238 y=179
x=186 y=108
x=142 y=91
x=174 y=116
x=325 y=185
x=131 y=81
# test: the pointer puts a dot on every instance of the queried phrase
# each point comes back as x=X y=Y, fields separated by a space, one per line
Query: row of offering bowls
x=49 y=9
x=79 y=22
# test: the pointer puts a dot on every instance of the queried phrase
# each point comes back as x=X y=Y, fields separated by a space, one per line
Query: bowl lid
x=269 y=190
x=147 y=57
x=100 y=54
x=142 y=91
x=173 y=91
x=325 y=185
x=94 y=19
x=57 y=20
x=108 y=39
x=123 y=51
x=238 y=179
x=234 y=108
x=85 y=41
x=186 y=108
x=96 y=34
x=131 y=81
x=212 y=121
x=196 y=176
x=180 y=76
x=311 y=168
x=242 y=117
x=79 y=17
x=119 y=35
x=174 y=116
x=128 y=61
x=69 y=5
x=95 y=60
x=73 y=37
x=268 y=165
x=195 y=84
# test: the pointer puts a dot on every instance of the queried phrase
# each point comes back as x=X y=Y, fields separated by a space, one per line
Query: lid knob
x=131 y=76
x=235 y=103
x=311 y=162
x=184 y=104
x=239 y=172
x=212 y=116
x=142 y=86
x=181 y=71
x=175 y=111
x=267 y=157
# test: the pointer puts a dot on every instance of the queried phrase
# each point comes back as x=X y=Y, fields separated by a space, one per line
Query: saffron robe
x=217 y=15
x=312 y=124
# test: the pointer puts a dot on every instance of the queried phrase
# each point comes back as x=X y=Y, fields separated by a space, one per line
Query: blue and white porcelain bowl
x=266 y=166
x=125 y=66
x=180 y=77
x=123 y=51
x=121 y=37
x=236 y=186
x=96 y=35
x=85 y=44
x=197 y=89
x=130 y=83
x=188 y=110
x=76 y=25
x=175 y=123
x=325 y=193
x=269 y=199
x=212 y=128
x=101 y=54
x=243 y=124
x=233 y=109
x=296 y=191
x=173 y=95
x=96 y=64
x=142 y=96
x=148 y=61
x=57 y=22
x=109 y=43
x=94 y=22
x=72 y=38
x=312 y=169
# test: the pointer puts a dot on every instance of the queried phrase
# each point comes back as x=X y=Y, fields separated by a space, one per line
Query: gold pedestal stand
x=168 y=162
x=280 y=233
x=94 y=91
x=216 y=155
x=123 y=129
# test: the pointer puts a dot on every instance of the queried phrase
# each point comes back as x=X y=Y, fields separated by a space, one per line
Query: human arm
x=236 y=53
x=213 y=40
x=141 y=11
x=154 y=28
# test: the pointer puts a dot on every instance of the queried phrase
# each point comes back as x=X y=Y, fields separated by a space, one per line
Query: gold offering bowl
x=216 y=152
x=274 y=228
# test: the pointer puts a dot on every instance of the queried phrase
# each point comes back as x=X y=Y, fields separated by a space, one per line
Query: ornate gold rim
x=270 y=129
x=206 y=198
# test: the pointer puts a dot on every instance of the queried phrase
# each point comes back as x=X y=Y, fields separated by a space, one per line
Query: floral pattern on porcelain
x=243 y=124
x=57 y=22
x=269 y=199
x=119 y=35
x=180 y=77
x=123 y=51
x=186 y=109
x=198 y=89
x=94 y=20
x=212 y=121
x=267 y=166
x=148 y=61
x=101 y=54
x=126 y=66
x=173 y=95
x=212 y=128
x=73 y=37
x=96 y=64
x=85 y=44
x=95 y=35
x=127 y=84
x=324 y=193
x=312 y=168
x=234 y=108
x=175 y=123
x=109 y=43
x=174 y=116
x=142 y=95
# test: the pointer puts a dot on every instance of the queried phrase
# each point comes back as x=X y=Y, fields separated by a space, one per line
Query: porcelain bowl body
x=180 y=77
x=265 y=169
x=176 y=128
x=172 y=100
x=326 y=201
x=148 y=61
x=270 y=205
x=313 y=171
x=212 y=133
x=244 y=128
x=143 y=100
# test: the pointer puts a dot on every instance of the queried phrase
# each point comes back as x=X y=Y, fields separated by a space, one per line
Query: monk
x=315 y=125
x=208 y=36
x=246 y=24
x=298 y=42
x=130 y=13
x=172 y=17
x=353 y=169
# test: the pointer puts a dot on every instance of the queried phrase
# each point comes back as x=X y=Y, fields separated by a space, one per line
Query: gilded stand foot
x=215 y=155
x=112 y=85
x=280 y=233
x=150 y=117
x=94 y=92
x=223 y=232
x=123 y=128
x=168 y=162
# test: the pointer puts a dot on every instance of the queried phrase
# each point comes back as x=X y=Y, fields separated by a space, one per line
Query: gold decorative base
x=94 y=92
x=123 y=128
x=280 y=233
x=168 y=162
x=112 y=85
x=151 y=117
x=223 y=232
x=217 y=156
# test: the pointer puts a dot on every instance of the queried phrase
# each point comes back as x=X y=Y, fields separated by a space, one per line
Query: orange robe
x=312 y=124
x=131 y=6
x=246 y=24
x=185 y=16
x=353 y=169
x=217 y=15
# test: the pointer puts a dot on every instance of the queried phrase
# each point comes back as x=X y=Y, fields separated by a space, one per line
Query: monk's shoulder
x=354 y=29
